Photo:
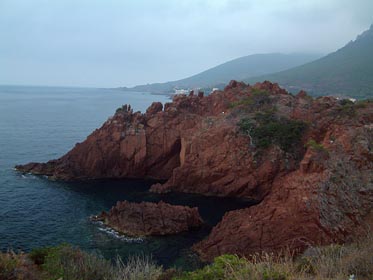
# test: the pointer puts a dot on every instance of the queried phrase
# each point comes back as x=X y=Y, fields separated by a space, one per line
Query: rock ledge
x=148 y=218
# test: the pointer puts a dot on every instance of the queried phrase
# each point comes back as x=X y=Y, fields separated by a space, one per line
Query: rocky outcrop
x=307 y=161
x=189 y=143
x=328 y=199
x=146 y=218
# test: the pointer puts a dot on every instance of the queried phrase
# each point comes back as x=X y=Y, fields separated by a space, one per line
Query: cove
x=41 y=123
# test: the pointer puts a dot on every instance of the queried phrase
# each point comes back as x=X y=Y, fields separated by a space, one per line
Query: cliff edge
x=307 y=161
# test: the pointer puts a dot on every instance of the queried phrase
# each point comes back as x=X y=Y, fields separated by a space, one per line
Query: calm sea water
x=42 y=123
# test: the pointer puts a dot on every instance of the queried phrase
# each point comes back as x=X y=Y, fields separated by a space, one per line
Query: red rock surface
x=146 y=218
x=310 y=195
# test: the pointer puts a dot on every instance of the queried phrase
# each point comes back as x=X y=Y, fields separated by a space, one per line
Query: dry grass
x=333 y=262
x=17 y=267
x=70 y=263
x=340 y=261
x=137 y=268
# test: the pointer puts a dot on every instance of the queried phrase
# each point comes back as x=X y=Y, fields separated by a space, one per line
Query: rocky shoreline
x=309 y=161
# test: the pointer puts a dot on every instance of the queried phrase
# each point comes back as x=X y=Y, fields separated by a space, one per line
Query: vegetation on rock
x=258 y=98
x=333 y=262
x=314 y=145
x=70 y=263
x=266 y=129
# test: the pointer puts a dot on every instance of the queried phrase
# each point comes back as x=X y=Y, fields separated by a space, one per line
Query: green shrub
x=246 y=125
x=257 y=99
x=38 y=255
x=333 y=262
x=220 y=269
x=257 y=91
x=245 y=101
x=118 y=110
x=231 y=267
x=273 y=275
x=70 y=263
x=170 y=274
x=314 y=145
x=8 y=266
x=266 y=129
x=347 y=108
x=360 y=104
x=345 y=102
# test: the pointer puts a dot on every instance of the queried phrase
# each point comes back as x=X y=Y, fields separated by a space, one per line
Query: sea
x=38 y=124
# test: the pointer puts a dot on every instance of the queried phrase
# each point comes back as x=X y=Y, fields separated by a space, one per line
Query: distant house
x=181 y=91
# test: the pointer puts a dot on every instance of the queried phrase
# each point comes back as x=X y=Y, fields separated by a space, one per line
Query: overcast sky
x=109 y=43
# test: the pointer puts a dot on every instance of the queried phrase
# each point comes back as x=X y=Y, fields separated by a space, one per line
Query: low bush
x=38 y=255
x=315 y=146
x=360 y=104
x=70 y=263
x=222 y=268
x=266 y=129
x=119 y=110
x=333 y=262
x=257 y=99
x=231 y=267
x=345 y=102
x=340 y=261
x=348 y=108
x=17 y=267
x=8 y=265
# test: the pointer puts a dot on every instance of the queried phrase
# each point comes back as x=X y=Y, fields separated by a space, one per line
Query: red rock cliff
x=313 y=193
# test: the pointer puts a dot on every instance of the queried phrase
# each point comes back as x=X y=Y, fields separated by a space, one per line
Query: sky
x=111 y=43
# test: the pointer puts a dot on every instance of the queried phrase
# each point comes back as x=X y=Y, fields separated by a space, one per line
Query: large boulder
x=147 y=218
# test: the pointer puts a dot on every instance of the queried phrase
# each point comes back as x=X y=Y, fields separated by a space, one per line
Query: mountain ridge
x=345 y=72
x=236 y=69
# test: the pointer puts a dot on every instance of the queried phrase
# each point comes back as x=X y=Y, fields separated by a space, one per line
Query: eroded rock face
x=328 y=199
x=311 y=193
x=146 y=218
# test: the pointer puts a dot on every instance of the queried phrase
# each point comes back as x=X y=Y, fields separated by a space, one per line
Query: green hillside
x=347 y=72
x=237 y=69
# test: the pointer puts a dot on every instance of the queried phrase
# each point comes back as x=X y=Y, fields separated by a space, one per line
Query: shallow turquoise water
x=42 y=123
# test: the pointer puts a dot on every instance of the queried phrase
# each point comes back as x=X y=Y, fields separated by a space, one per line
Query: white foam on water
x=116 y=234
x=28 y=176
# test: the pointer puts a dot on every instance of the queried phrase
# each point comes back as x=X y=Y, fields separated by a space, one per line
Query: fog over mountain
x=237 y=69
x=347 y=71
x=125 y=43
